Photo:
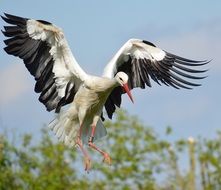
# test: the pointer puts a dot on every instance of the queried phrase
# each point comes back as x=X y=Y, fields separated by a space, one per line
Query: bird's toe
x=87 y=163
x=107 y=159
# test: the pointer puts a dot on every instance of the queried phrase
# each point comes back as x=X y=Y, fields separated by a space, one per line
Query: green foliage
x=140 y=160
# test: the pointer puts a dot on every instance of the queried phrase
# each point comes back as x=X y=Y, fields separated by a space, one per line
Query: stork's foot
x=107 y=158
x=87 y=164
x=87 y=160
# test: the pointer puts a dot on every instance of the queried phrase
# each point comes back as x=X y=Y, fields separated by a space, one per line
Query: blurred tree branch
x=141 y=160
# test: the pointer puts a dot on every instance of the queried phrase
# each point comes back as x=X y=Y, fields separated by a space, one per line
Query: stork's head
x=122 y=79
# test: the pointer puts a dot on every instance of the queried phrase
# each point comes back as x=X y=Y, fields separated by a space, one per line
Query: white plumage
x=60 y=80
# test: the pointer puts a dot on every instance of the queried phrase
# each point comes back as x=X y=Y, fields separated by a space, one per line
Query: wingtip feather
x=4 y=18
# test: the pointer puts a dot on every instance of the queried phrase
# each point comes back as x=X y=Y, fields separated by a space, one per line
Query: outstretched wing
x=141 y=61
x=47 y=56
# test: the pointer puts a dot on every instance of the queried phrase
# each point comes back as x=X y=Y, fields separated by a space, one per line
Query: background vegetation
x=141 y=160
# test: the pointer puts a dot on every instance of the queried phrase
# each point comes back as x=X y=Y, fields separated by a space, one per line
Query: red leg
x=106 y=156
x=87 y=160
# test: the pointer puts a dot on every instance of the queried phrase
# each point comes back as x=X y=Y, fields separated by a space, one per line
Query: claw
x=87 y=163
x=107 y=158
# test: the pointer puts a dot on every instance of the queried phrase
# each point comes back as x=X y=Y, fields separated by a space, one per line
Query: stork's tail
x=65 y=129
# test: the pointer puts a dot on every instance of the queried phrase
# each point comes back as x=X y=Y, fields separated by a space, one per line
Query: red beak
x=127 y=90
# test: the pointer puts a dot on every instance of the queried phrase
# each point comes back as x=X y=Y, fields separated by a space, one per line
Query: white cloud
x=13 y=83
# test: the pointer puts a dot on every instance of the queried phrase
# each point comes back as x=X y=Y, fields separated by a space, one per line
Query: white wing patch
x=49 y=33
x=141 y=50
x=65 y=66
x=134 y=48
x=155 y=52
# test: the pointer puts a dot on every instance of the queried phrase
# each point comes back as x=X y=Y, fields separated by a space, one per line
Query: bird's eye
x=120 y=78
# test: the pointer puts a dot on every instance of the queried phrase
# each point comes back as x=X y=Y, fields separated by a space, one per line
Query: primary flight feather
x=60 y=80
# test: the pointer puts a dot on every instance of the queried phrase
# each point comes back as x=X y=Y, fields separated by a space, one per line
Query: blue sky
x=95 y=31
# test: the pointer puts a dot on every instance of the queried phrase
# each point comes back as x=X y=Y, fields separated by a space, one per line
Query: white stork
x=61 y=81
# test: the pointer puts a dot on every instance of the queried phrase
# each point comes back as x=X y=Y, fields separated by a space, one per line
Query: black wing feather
x=37 y=59
x=172 y=70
